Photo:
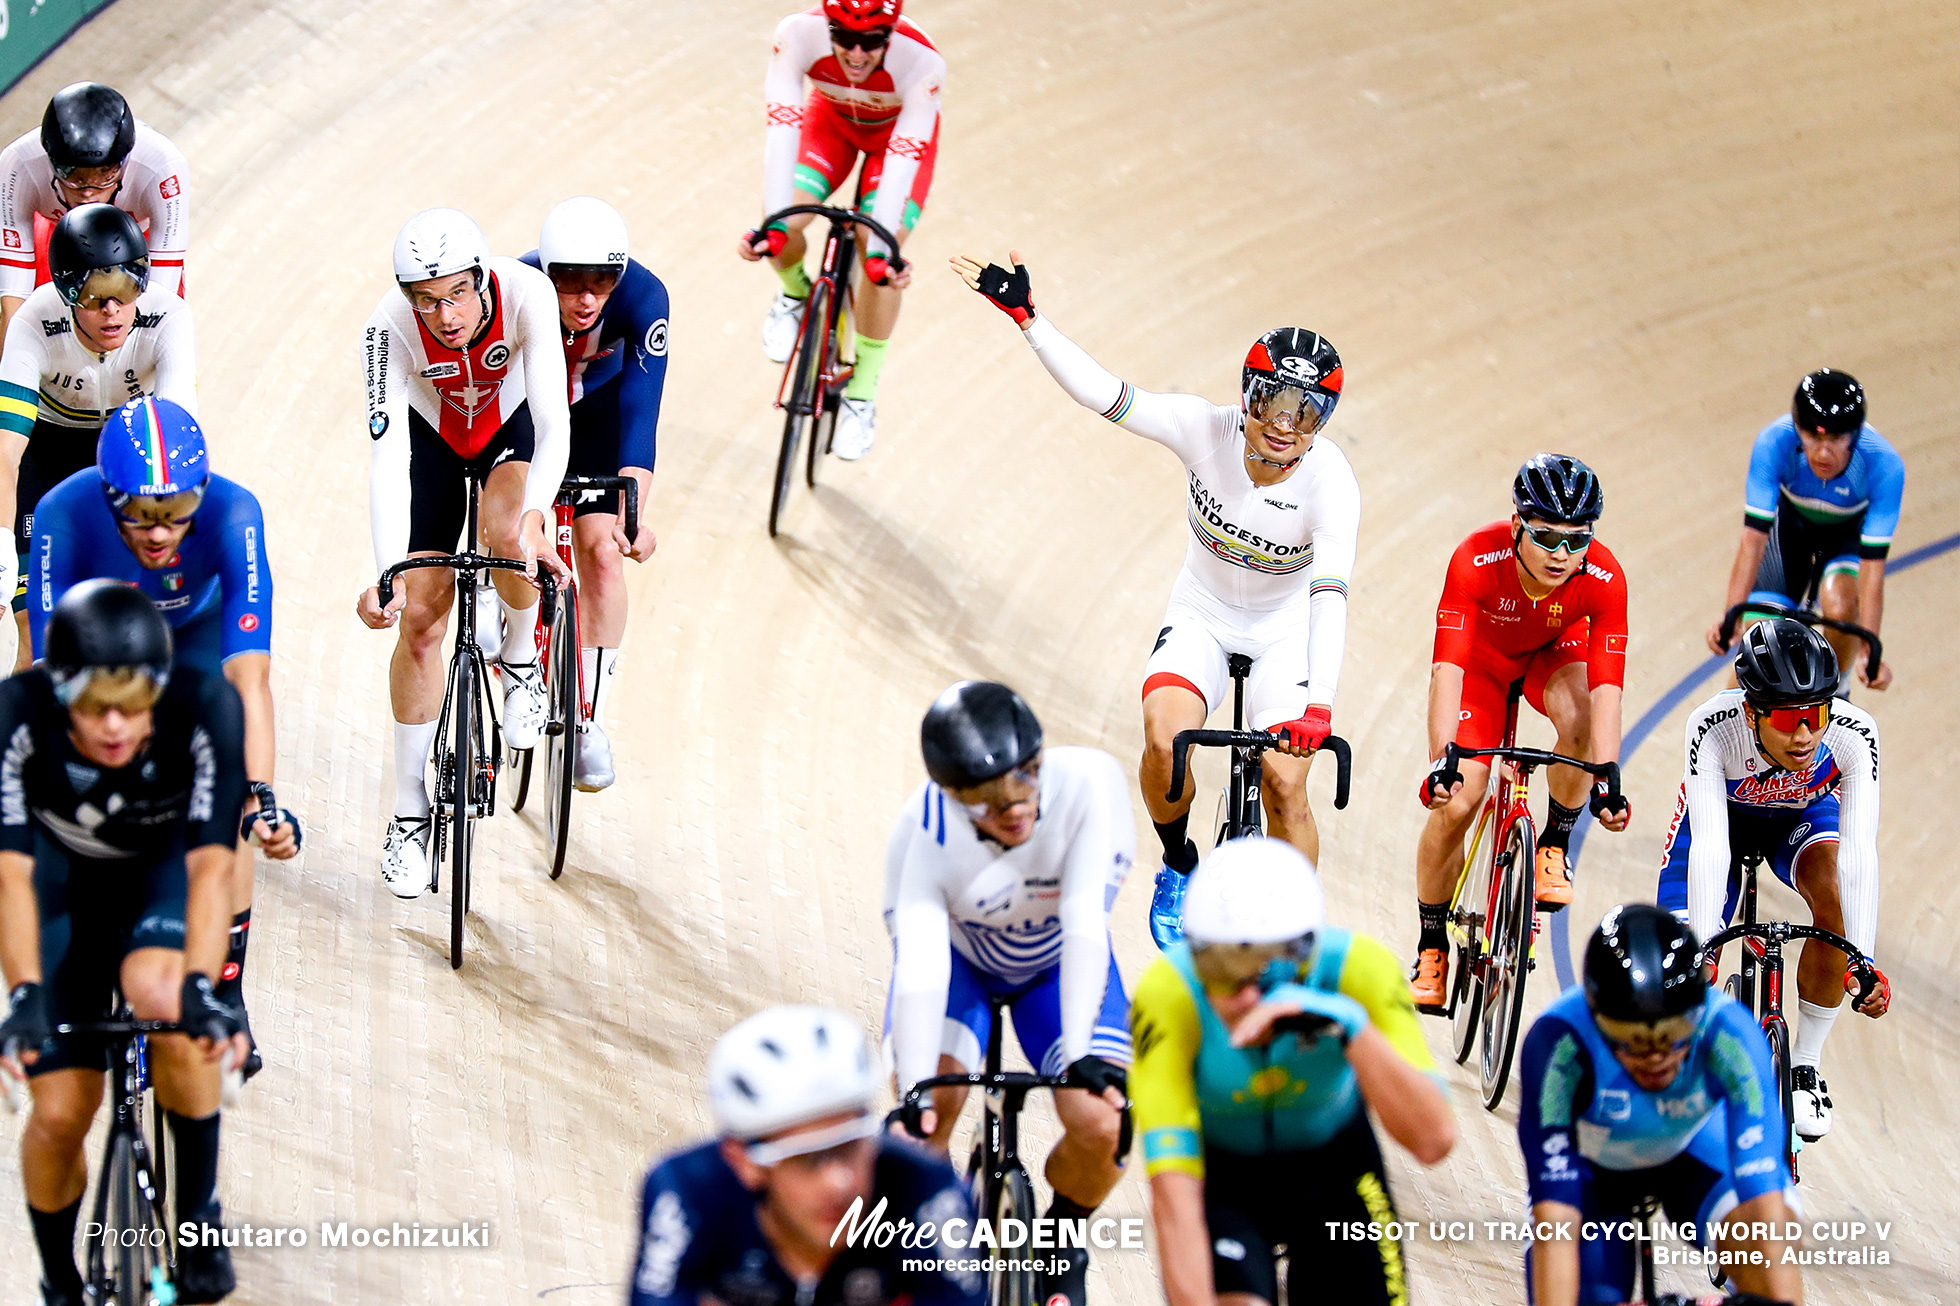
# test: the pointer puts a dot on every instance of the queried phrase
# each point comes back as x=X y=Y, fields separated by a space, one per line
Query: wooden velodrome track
x=1620 y=231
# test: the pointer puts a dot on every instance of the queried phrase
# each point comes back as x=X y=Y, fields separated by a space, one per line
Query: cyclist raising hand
x=1273 y=513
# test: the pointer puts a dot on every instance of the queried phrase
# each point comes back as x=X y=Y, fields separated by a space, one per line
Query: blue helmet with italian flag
x=151 y=448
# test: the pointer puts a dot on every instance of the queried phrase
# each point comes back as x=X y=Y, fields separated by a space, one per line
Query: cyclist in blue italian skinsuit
x=1643 y=1083
x=612 y=315
x=1822 y=503
x=150 y=514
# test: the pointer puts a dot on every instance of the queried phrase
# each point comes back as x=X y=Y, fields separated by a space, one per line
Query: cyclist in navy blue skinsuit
x=612 y=313
x=1645 y=1083
x=753 y=1218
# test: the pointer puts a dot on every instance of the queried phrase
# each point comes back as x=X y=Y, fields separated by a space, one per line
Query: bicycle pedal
x=554 y=728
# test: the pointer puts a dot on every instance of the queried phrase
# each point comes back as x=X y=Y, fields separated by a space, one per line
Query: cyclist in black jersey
x=121 y=780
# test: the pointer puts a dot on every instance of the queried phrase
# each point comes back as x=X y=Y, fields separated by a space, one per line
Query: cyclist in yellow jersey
x=1261 y=1042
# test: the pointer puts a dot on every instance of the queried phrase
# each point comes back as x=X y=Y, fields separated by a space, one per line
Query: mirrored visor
x=97 y=286
x=1226 y=968
x=1291 y=407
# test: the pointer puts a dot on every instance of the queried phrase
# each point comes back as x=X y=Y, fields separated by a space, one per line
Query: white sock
x=520 y=635
x=596 y=668
x=412 y=745
x=1813 y=1027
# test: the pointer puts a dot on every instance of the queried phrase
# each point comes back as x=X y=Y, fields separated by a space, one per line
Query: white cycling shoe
x=857 y=423
x=592 y=764
x=780 y=328
x=1810 y=1103
x=405 y=856
x=524 y=704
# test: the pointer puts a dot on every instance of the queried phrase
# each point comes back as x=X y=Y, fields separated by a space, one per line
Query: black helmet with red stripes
x=1293 y=372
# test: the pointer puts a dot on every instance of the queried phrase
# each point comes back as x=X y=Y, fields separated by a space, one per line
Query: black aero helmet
x=1784 y=663
x=1642 y=966
x=1293 y=358
x=975 y=731
x=1829 y=401
x=87 y=125
x=93 y=237
x=1556 y=487
x=104 y=623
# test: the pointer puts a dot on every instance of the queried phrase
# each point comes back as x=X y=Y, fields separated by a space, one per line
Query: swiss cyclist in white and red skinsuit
x=89 y=150
x=875 y=80
x=1273 y=514
x=465 y=381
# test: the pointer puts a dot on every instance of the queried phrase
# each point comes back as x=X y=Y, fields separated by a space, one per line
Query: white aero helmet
x=583 y=232
x=1254 y=891
x=439 y=243
x=786 y=1066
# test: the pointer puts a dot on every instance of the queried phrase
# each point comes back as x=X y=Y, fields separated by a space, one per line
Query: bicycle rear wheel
x=561 y=730
x=462 y=789
x=805 y=400
x=822 y=430
x=1510 y=960
x=521 y=759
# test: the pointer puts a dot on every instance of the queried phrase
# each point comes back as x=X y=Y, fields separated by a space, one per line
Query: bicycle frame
x=1809 y=616
x=1242 y=794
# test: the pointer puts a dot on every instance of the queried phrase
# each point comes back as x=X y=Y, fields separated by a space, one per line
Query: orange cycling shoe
x=1427 y=986
x=1554 y=880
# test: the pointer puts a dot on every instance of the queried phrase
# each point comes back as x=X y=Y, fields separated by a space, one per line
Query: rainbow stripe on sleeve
x=1119 y=410
x=1327 y=585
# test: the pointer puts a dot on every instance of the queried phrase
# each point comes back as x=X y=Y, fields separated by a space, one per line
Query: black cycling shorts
x=595 y=447
x=438 y=502
x=1800 y=550
x=93 y=914
x=1257 y=1205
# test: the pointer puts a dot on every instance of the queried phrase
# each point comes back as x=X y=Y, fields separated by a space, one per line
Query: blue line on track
x=1659 y=712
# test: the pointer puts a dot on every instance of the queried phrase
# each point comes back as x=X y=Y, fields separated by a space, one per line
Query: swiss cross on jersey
x=469 y=380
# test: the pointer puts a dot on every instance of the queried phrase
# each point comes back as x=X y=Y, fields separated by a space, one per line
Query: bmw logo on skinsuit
x=378 y=425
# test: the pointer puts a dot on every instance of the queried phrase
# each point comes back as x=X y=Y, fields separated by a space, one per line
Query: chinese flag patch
x=1616 y=643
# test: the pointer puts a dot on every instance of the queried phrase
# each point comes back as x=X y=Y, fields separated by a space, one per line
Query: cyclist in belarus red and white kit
x=875 y=80
x=1273 y=514
x=465 y=380
x=90 y=149
x=1534 y=601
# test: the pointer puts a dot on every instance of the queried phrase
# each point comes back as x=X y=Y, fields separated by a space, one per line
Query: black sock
x=230 y=988
x=1559 y=820
x=197 y=1162
x=1435 y=921
x=1176 y=840
x=1063 y=1208
x=54 y=1234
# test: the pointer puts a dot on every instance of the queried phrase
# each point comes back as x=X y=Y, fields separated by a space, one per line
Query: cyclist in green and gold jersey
x=1261 y=1042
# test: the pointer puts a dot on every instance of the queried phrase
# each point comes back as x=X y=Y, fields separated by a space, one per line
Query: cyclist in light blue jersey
x=1645 y=1083
x=1822 y=503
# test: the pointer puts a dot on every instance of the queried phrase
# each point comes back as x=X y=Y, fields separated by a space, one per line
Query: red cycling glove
x=1882 y=990
x=876 y=268
x=1311 y=730
x=774 y=236
x=1009 y=292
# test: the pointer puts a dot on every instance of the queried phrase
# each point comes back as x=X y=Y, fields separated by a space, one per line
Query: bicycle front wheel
x=1510 y=959
x=561 y=731
x=1467 y=913
x=1778 y=1034
x=464 y=763
x=805 y=401
x=1011 y=1277
x=141 y=1252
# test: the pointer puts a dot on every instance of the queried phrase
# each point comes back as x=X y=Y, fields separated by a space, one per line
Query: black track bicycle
x=812 y=388
x=1001 y=1186
x=469 y=740
x=138 y=1266
x=1240 y=813
x=558 y=657
x=1757 y=982
x=1807 y=613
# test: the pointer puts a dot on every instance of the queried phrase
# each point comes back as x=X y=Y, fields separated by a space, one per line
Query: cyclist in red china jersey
x=1535 y=600
x=875 y=80
x=466 y=381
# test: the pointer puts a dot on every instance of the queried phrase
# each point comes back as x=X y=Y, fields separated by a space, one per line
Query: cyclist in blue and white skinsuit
x=1782 y=768
x=999 y=877
x=1823 y=496
x=1645 y=1083
x=612 y=312
x=150 y=514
